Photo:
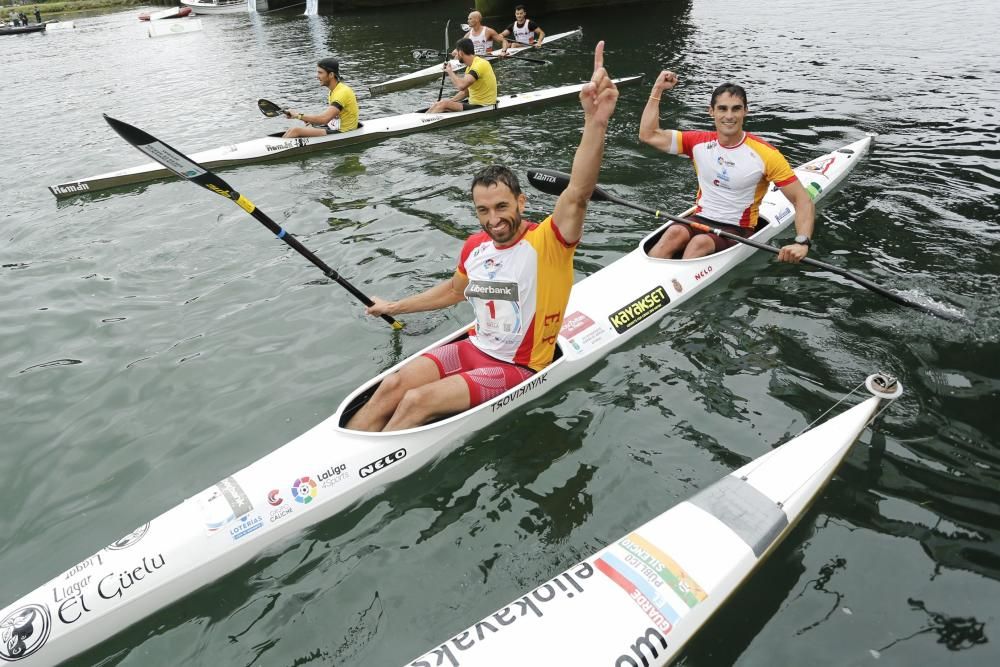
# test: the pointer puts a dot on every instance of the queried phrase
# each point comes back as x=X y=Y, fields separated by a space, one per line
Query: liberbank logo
x=492 y=290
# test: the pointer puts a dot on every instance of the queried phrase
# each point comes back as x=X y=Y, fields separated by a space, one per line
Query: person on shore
x=340 y=116
x=523 y=30
x=477 y=87
x=733 y=167
x=483 y=37
x=517 y=276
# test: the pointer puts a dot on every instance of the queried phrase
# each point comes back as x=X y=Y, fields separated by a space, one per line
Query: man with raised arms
x=477 y=87
x=517 y=276
x=340 y=116
x=523 y=31
x=483 y=37
x=733 y=168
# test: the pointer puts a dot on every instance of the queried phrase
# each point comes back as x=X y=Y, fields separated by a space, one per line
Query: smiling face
x=499 y=212
x=729 y=111
x=519 y=15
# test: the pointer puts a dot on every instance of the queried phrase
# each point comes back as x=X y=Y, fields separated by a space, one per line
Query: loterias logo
x=640 y=309
x=383 y=462
x=130 y=539
x=24 y=631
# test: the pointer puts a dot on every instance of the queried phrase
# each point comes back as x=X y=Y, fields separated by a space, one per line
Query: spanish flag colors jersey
x=519 y=293
x=342 y=97
x=484 y=90
x=732 y=180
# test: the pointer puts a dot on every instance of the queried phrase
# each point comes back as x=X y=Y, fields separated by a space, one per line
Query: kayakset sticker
x=640 y=309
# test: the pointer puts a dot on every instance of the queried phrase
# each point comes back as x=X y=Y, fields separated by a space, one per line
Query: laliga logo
x=303 y=490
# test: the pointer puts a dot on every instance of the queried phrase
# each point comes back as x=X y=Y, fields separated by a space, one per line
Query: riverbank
x=55 y=9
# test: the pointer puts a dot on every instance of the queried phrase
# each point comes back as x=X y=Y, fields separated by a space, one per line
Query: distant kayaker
x=523 y=30
x=477 y=87
x=516 y=275
x=733 y=169
x=483 y=37
x=340 y=116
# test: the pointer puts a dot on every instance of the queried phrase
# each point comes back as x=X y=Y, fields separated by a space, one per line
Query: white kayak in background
x=435 y=71
x=638 y=601
x=330 y=468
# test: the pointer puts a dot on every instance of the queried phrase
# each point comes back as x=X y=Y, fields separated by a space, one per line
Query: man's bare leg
x=375 y=414
x=304 y=132
x=673 y=239
x=437 y=399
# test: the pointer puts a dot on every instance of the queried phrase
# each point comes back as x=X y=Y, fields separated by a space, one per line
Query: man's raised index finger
x=599 y=56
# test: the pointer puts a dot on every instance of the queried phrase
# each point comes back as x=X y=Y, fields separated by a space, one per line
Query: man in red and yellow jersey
x=476 y=88
x=733 y=168
x=516 y=275
x=340 y=116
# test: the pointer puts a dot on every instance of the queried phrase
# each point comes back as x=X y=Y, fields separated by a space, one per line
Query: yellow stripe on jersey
x=555 y=280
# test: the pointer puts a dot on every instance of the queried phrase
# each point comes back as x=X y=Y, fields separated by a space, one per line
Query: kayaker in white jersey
x=523 y=31
x=515 y=274
x=483 y=37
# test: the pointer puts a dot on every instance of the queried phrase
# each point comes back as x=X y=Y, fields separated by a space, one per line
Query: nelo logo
x=703 y=273
x=375 y=466
x=24 y=631
x=130 y=539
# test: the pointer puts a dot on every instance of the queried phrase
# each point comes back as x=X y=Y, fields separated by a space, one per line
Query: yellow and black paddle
x=186 y=168
x=554 y=182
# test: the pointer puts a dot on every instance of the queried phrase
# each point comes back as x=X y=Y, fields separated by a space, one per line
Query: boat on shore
x=640 y=599
x=203 y=7
x=274 y=146
x=330 y=468
x=434 y=72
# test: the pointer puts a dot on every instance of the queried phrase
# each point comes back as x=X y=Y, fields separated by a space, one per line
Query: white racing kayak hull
x=330 y=468
x=274 y=147
x=436 y=71
x=639 y=600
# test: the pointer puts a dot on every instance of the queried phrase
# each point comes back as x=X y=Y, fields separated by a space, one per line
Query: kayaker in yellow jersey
x=476 y=88
x=340 y=116
x=516 y=275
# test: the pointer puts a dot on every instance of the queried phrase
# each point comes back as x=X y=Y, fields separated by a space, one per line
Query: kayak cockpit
x=650 y=241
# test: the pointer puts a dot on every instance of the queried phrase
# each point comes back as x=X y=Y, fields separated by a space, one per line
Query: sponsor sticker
x=222 y=504
x=677 y=285
x=115 y=587
x=171 y=159
x=304 y=490
x=639 y=309
x=821 y=165
x=24 y=631
x=381 y=463
x=333 y=476
x=128 y=540
x=574 y=323
x=663 y=568
x=248 y=524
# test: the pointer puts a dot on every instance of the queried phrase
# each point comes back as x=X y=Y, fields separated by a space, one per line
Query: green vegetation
x=51 y=9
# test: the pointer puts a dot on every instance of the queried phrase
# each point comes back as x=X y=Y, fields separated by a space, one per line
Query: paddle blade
x=269 y=108
x=554 y=182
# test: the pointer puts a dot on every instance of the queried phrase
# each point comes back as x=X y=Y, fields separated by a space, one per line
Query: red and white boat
x=171 y=13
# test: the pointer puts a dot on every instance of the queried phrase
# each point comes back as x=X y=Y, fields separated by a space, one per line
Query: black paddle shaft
x=554 y=182
x=189 y=170
x=444 y=74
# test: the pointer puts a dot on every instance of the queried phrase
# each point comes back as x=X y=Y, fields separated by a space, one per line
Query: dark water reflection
x=155 y=339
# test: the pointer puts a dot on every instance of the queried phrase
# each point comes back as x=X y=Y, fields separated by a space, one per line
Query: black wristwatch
x=802 y=239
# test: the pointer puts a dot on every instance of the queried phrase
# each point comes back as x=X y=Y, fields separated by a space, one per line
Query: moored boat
x=433 y=72
x=171 y=13
x=202 y=7
x=274 y=146
x=330 y=468
x=640 y=599
x=21 y=29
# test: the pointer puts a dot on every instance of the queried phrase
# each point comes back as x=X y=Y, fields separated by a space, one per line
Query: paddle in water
x=554 y=182
x=183 y=166
x=269 y=108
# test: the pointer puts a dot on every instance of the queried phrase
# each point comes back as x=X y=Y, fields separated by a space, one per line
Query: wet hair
x=466 y=46
x=520 y=8
x=732 y=89
x=496 y=174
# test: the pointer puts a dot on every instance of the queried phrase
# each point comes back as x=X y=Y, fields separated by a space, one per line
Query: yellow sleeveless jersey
x=342 y=97
x=484 y=90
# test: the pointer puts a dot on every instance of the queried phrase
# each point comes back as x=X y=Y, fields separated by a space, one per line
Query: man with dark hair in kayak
x=340 y=116
x=476 y=88
x=524 y=31
x=733 y=168
x=517 y=276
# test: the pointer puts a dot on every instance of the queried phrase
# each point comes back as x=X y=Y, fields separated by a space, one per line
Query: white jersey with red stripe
x=480 y=43
x=519 y=293
x=732 y=180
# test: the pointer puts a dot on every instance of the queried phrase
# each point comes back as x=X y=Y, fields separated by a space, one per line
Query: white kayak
x=639 y=600
x=274 y=146
x=435 y=71
x=330 y=468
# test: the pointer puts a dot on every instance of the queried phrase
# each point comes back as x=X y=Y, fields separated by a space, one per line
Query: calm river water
x=156 y=339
